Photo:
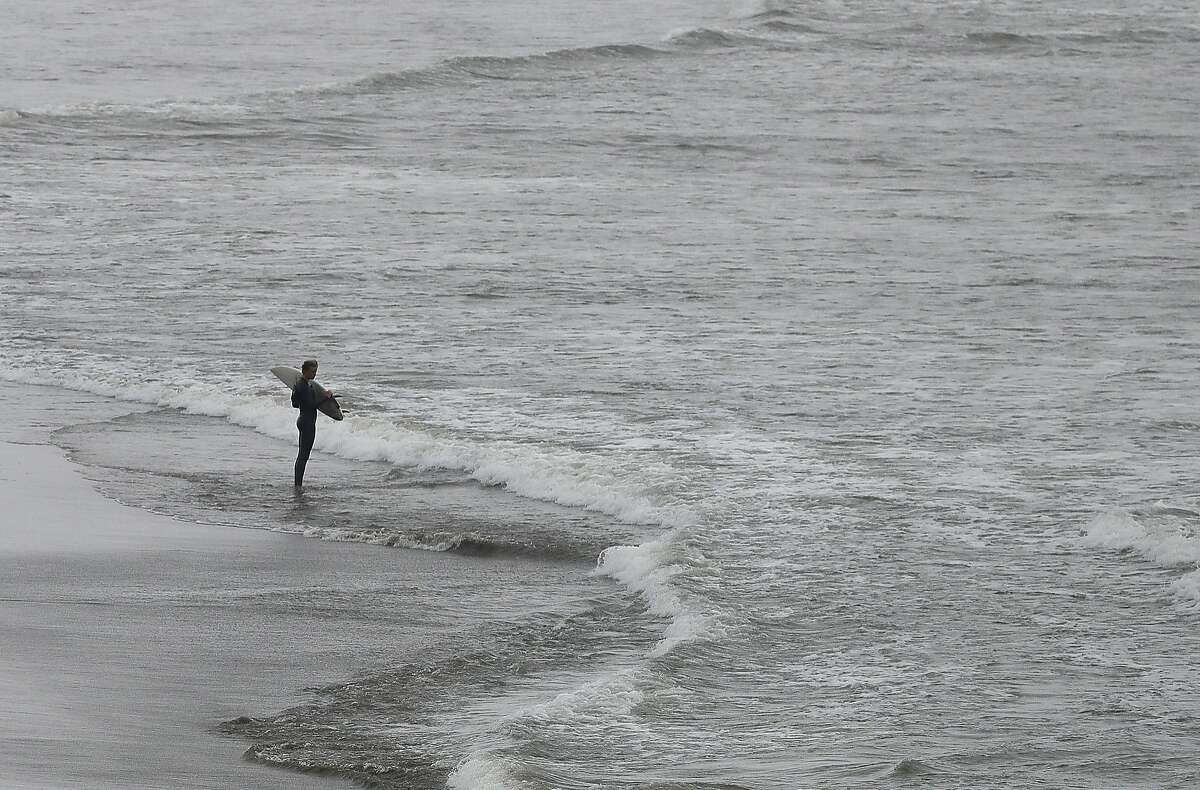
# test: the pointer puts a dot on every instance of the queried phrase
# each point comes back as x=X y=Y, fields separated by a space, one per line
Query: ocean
x=820 y=374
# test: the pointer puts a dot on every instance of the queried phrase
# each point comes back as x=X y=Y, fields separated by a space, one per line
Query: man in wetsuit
x=304 y=398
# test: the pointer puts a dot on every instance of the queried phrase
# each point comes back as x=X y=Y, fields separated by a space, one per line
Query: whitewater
x=826 y=366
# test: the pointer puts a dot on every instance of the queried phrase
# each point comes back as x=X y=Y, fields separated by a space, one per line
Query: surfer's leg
x=308 y=434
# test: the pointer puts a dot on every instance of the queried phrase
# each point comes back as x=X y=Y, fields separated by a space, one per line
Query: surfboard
x=326 y=403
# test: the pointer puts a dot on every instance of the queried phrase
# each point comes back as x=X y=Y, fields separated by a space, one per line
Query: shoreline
x=128 y=636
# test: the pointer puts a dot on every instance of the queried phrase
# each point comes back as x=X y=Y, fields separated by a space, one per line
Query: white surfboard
x=326 y=403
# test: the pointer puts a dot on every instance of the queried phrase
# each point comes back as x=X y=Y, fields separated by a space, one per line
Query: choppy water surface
x=846 y=351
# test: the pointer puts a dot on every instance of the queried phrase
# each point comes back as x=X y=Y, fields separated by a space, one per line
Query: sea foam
x=482 y=771
x=597 y=702
x=1165 y=536
x=648 y=569
x=1164 y=540
x=550 y=474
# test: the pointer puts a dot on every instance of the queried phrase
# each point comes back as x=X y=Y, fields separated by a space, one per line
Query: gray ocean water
x=842 y=355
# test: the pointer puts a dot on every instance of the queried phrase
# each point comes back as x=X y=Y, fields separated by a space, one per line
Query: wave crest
x=1161 y=537
x=1168 y=537
x=648 y=569
x=542 y=66
x=708 y=38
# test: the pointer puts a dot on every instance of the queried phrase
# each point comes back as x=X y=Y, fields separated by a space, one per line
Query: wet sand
x=127 y=637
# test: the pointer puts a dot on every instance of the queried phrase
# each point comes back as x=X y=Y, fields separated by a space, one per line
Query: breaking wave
x=648 y=569
x=1166 y=536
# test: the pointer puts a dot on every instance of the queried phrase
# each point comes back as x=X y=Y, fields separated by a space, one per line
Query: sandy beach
x=127 y=637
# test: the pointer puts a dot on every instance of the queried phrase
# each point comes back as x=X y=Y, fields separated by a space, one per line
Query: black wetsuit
x=304 y=399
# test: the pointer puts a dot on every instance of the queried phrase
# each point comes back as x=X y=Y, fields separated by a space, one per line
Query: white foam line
x=598 y=701
x=645 y=570
x=1163 y=538
x=1167 y=544
x=530 y=473
x=482 y=771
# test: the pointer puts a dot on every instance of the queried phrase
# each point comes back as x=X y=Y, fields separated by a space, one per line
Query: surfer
x=304 y=398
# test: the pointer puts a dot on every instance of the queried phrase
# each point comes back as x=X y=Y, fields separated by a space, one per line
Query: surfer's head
x=309 y=369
